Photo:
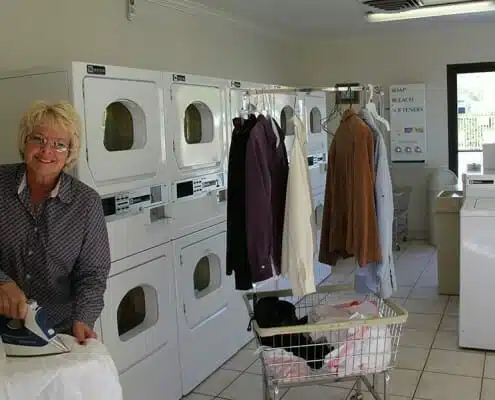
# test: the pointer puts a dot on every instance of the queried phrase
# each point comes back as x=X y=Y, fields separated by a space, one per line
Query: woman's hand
x=13 y=302
x=82 y=332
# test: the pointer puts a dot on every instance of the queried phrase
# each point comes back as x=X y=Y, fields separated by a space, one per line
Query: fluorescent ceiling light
x=434 y=11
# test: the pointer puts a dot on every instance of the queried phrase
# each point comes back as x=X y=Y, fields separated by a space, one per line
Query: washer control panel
x=316 y=159
x=135 y=201
x=198 y=186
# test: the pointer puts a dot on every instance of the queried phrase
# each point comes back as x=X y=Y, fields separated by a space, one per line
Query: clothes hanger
x=244 y=114
x=371 y=107
x=271 y=119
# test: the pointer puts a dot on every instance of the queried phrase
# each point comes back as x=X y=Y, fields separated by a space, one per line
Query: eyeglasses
x=39 y=140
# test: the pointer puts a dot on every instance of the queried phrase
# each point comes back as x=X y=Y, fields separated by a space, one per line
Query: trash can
x=446 y=236
x=440 y=179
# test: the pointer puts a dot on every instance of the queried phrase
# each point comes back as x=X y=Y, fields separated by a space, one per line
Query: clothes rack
x=332 y=89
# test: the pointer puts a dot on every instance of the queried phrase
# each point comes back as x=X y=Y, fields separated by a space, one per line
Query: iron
x=32 y=336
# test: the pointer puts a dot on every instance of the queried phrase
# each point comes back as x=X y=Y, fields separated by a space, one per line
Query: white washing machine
x=197 y=121
x=211 y=329
x=317 y=165
x=139 y=321
x=122 y=146
x=316 y=112
x=123 y=157
x=477 y=252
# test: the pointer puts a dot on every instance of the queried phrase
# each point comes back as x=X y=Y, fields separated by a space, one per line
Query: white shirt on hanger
x=299 y=235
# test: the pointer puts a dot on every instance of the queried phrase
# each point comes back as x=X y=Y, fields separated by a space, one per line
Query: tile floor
x=430 y=366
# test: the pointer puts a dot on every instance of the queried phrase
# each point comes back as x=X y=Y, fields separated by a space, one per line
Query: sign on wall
x=408 y=123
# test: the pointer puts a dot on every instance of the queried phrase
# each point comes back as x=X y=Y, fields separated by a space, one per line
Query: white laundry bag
x=358 y=351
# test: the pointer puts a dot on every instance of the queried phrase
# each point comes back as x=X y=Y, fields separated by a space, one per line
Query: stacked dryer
x=123 y=157
x=315 y=112
x=211 y=329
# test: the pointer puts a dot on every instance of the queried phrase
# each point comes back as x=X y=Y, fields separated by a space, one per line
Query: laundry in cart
x=354 y=350
x=346 y=338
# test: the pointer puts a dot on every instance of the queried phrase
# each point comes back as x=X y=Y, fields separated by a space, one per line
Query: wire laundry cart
x=402 y=197
x=359 y=347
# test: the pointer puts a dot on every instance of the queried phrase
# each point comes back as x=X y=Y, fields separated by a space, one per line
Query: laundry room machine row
x=158 y=162
x=155 y=147
x=123 y=157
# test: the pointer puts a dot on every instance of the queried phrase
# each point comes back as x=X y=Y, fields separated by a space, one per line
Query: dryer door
x=285 y=109
x=123 y=128
x=202 y=279
x=315 y=114
x=200 y=117
x=140 y=314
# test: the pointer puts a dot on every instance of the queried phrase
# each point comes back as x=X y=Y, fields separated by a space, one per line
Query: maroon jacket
x=267 y=169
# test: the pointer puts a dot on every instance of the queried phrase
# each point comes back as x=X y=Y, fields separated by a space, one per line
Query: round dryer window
x=134 y=309
x=198 y=123
x=315 y=120
x=207 y=276
x=251 y=108
x=286 y=122
x=125 y=126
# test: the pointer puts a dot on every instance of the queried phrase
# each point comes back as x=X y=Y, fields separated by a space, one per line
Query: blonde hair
x=62 y=114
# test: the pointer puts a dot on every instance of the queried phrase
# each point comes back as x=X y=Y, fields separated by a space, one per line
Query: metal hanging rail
x=344 y=88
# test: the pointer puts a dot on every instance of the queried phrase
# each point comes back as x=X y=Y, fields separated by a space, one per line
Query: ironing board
x=87 y=372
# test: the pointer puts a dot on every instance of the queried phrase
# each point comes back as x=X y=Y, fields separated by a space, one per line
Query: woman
x=54 y=245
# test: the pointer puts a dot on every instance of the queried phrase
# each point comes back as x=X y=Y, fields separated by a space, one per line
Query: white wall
x=411 y=57
x=36 y=33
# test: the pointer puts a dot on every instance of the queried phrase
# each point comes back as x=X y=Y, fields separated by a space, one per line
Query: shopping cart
x=402 y=197
x=361 y=347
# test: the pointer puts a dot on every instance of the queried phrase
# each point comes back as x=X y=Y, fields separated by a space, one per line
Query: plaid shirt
x=58 y=254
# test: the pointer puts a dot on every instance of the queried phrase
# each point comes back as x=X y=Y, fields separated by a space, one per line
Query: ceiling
x=324 y=18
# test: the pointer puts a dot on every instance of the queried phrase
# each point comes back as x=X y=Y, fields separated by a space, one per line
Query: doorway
x=471 y=114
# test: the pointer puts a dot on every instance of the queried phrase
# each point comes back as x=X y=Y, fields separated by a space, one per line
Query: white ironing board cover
x=87 y=372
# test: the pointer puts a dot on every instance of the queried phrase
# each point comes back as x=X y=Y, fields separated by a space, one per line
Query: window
x=315 y=120
x=251 y=108
x=471 y=114
x=137 y=311
x=286 y=122
x=124 y=126
x=198 y=124
x=131 y=311
x=207 y=276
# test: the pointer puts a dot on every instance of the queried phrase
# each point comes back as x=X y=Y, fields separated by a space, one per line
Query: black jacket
x=237 y=256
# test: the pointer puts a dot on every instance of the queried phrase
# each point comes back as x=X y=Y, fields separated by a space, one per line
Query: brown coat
x=349 y=226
